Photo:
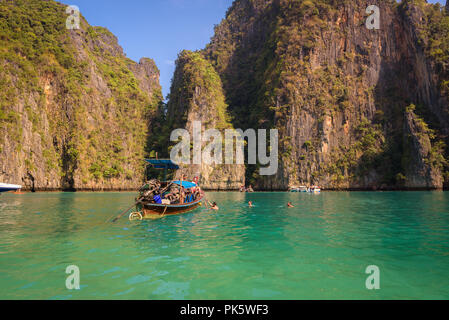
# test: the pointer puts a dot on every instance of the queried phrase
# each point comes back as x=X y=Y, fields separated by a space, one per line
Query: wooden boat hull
x=155 y=211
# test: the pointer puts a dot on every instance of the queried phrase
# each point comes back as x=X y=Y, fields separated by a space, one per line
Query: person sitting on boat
x=175 y=199
x=189 y=195
x=157 y=199
x=182 y=195
x=196 y=193
x=250 y=189
x=213 y=206
x=173 y=194
x=169 y=196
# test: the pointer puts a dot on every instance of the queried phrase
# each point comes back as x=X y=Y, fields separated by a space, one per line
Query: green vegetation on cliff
x=354 y=107
x=198 y=85
x=335 y=90
x=433 y=35
x=87 y=109
x=196 y=94
x=438 y=45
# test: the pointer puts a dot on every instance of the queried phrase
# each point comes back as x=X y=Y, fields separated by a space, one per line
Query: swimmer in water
x=213 y=206
x=290 y=205
x=250 y=204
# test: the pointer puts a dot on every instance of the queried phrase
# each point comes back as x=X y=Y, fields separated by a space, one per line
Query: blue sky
x=157 y=29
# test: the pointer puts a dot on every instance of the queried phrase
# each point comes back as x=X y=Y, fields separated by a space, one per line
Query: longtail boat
x=152 y=210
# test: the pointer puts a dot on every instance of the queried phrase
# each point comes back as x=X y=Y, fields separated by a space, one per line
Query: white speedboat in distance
x=293 y=189
x=299 y=189
x=4 y=187
x=315 y=189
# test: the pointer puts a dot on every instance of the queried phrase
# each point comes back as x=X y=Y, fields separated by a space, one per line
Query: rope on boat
x=135 y=216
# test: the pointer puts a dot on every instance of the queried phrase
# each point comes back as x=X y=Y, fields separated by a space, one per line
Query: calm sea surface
x=318 y=250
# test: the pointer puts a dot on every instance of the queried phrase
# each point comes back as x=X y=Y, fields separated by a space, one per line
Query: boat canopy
x=162 y=164
x=185 y=184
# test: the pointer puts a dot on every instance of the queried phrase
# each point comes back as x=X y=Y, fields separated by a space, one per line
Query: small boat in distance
x=4 y=187
x=244 y=189
x=315 y=189
x=299 y=189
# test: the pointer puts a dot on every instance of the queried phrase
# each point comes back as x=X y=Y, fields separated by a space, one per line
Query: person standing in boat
x=196 y=192
x=182 y=193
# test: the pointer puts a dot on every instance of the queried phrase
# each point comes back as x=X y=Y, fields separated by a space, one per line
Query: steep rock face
x=421 y=166
x=74 y=110
x=147 y=75
x=335 y=89
x=197 y=95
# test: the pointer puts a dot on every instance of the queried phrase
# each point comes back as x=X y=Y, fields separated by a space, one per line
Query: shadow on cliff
x=404 y=79
x=244 y=77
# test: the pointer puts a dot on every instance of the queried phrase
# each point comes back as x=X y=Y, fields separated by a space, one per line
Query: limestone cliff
x=420 y=157
x=197 y=95
x=74 y=111
x=338 y=90
x=357 y=107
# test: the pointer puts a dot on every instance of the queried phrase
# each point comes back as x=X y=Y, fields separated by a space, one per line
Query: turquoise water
x=318 y=250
